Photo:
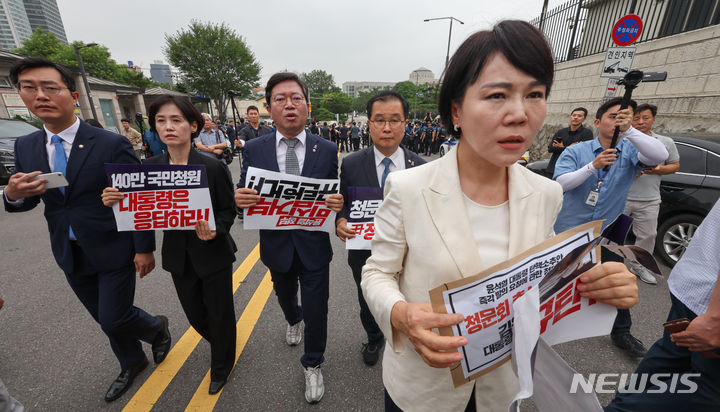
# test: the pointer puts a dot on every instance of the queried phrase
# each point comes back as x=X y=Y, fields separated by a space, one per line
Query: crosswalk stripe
x=154 y=386
x=202 y=400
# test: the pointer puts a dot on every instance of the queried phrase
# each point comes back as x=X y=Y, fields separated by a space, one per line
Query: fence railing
x=579 y=28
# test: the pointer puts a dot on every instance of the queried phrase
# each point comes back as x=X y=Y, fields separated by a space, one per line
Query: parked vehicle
x=9 y=131
x=687 y=196
x=447 y=145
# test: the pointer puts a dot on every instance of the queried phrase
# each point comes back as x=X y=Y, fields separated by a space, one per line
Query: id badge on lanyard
x=594 y=195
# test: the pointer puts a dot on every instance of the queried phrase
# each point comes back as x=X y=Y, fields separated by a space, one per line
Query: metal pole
x=542 y=15
x=447 y=56
x=85 y=81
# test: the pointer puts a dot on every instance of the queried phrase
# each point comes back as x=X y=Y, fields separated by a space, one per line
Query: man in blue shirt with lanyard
x=592 y=193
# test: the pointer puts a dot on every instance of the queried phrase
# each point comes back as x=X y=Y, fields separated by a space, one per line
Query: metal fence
x=580 y=28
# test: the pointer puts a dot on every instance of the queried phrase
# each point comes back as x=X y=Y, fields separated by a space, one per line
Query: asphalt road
x=53 y=357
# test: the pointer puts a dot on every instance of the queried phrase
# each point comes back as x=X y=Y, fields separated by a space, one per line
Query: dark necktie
x=292 y=166
x=60 y=164
x=386 y=161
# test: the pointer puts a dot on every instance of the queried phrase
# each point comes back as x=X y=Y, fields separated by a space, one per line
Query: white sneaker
x=314 y=387
x=293 y=336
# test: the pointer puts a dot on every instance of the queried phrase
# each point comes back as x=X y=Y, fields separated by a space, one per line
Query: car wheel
x=674 y=235
x=442 y=151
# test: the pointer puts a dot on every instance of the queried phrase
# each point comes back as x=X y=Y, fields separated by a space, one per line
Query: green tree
x=96 y=59
x=337 y=102
x=322 y=114
x=212 y=60
x=319 y=82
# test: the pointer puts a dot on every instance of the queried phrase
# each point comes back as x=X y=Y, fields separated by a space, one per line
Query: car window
x=13 y=129
x=713 y=164
x=692 y=159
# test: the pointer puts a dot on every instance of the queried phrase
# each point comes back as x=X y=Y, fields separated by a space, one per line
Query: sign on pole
x=627 y=30
x=618 y=61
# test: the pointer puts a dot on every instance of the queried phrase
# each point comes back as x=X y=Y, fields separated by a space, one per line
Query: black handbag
x=227 y=153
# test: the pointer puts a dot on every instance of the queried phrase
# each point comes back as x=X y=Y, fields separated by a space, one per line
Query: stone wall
x=688 y=101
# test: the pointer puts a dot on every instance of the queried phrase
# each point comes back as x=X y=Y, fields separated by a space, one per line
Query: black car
x=9 y=131
x=687 y=196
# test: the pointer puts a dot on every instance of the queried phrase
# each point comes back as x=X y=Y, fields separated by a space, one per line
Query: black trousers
x=665 y=357
x=356 y=260
x=109 y=296
x=210 y=309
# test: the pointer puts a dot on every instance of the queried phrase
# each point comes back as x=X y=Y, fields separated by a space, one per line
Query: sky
x=361 y=40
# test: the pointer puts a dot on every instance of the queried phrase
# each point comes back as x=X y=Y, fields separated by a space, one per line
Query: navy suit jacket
x=359 y=169
x=93 y=223
x=278 y=247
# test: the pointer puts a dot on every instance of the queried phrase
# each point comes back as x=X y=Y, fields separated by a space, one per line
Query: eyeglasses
x=383 y=123
x=32 y=90
x=296 y=99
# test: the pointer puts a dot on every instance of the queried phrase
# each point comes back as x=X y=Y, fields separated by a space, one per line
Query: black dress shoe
x=124 y=380
x=161 y=344
x=215 y=386
x=371 y=352
x=629 y=343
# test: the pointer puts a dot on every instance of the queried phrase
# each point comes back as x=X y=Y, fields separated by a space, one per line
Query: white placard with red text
x=160 y=197
x=289 y=202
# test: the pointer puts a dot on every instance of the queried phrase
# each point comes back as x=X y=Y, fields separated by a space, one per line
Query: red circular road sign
x=627 y=30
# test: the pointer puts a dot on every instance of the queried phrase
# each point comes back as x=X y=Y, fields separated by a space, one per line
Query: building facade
x=422 y=76
x=161 y=73
x=14 y=24
x=45 y=15
x=353 y=89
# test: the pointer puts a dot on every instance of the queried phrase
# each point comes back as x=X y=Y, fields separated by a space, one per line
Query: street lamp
x=84 y=77
x=447 y=57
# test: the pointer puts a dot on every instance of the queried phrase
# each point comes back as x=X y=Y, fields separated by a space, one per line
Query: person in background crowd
x=295 y=255
x=94 y=123
x=153 y=145
x=695 y=295
x=133 y=136
x=592 y=193
x=211 y=141
x=314 y=129
x=344 y=145
x=199 y=261
x=568 y=136
x=253 y=129
x=643 y=200
x=99 y=262
x=355 y=137
x=325 y=131
x=370 y=167
x=494 y=99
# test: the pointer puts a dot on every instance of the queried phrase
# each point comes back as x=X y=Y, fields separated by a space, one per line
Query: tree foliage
x=335 y=102
x=96 y=59
x=319 y=82
x=421 y=98
x=213 y=60
x=322 y=114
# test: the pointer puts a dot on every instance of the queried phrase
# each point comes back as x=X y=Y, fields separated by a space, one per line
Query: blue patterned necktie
x=292 y=166
x=60 y=164
x=386 y=161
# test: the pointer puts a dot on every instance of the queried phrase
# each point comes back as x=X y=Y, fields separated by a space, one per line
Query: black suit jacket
x=359 y=169
x=81 y=207
x=278 y=247
x=214 y=255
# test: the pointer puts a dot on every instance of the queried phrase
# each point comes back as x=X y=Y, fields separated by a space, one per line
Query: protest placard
x=159 y=197
x=363 y=202
x=289 y=202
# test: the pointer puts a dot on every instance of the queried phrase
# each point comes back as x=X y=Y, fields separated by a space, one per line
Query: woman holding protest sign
x=473 y=208
x=200 y=261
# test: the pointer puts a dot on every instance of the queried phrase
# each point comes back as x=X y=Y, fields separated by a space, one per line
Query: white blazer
x=423 y=238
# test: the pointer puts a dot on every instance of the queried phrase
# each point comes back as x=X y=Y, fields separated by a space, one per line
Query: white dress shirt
x=397 y=162
x=281 y=149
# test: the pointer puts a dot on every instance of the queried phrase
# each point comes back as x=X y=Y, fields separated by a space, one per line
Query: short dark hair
x=252 y=108
x=610 y=103
x=40 y=62
x=580 y=109
x=93 y=122
x=124 y=119
x=524 y=46
x=187 y=109
x=385 y=96
x=647 y=106
x=283 y=77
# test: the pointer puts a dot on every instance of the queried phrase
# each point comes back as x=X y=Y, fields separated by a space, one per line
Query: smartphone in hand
x=54 y=179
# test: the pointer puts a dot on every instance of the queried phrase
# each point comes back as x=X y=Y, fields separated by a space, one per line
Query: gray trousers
x=7 y=402
x=644 y=214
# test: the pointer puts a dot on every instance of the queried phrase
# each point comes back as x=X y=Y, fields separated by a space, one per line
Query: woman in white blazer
x=470 y=210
